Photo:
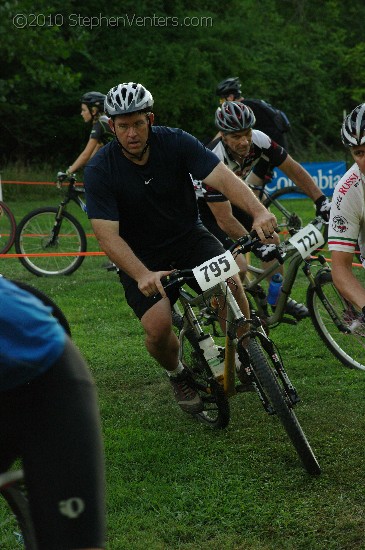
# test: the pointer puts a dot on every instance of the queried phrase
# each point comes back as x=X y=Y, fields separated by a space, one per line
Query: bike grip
x=165 y=280
x=279 y=257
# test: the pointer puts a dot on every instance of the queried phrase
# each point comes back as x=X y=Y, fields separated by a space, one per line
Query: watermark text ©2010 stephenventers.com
x=40 y=20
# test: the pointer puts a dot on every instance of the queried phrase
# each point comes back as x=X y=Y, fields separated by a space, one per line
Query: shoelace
x=186 y=389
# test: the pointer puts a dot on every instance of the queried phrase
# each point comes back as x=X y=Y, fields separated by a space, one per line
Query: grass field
x=172 y=484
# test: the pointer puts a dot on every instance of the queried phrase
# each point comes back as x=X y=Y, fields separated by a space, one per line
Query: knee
x=158 y=333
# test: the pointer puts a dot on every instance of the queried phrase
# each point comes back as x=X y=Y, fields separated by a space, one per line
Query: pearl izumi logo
x=72 y=507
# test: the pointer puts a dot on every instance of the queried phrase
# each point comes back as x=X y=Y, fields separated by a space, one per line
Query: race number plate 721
x=216 y=270
x=307 y=240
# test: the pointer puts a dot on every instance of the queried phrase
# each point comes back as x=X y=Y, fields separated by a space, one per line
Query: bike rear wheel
x=324 y=303
x=7 y=228
x=34 y=235
x=216 y=413
x=282 y=407
x=17 y=528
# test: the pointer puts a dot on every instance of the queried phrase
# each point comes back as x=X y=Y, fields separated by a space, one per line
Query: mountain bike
x=7 y=228
x=53 y=230
x=16 y=528
x=213 y=368
x=335 y=319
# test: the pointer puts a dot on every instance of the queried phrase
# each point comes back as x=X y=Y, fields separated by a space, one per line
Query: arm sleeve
x=344 y=224
x=31 y=340
x=200 y=161
x=96 y=131
x=101 y=204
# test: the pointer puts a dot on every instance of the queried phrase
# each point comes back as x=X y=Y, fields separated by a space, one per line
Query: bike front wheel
x=337 y=322
x=280 y=403
x=216 y=412
x=7 y=228
x=35 y=235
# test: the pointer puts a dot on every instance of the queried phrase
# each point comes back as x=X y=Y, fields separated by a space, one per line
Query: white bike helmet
x=127 y=98
x=234 y=116
x=353 y=127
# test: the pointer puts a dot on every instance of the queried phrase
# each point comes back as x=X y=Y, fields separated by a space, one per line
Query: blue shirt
x=155 y=203
x=31 y=340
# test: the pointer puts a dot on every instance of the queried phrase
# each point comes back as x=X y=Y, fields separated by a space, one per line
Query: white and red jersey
x=346 y=229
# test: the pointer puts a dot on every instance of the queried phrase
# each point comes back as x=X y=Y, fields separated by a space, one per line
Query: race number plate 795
x=216 y=270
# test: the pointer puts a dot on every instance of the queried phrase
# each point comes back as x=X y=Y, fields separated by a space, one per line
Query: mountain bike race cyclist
x=241 y=148
x=347 y=224
x=141 y=201
x=269 y=120
x=49 y=418
x=92 y=110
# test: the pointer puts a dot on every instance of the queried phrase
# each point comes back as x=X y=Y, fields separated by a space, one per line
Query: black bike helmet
x=127 y=98
x=94 y=99
x=229 y=86
x=234 y=116
x=353 y=127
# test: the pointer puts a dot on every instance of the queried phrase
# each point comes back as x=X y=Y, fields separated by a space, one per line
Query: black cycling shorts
x=194 y=249
x=52 y=423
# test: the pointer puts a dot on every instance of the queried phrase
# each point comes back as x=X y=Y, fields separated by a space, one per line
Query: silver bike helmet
x=353 y=127
x=127 y=98
x=234 y=116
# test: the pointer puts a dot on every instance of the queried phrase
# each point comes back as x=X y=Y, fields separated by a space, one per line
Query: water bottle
x=274 y=289
x=213 y=355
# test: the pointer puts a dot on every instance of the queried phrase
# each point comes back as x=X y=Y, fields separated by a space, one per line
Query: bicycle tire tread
x=283 y=411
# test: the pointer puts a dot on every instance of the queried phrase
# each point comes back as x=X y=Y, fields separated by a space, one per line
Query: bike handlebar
x=63 y=176
x=241 y=246
x=71 y=178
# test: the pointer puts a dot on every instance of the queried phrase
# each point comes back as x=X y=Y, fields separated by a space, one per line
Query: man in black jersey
x=269 y=120
x=141 y=200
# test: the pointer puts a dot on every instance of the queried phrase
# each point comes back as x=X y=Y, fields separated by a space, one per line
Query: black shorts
x=195 y=248
x=52 y=424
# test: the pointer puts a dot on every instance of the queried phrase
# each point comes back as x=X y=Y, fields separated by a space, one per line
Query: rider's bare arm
x=223 y=214
x=300 y=177
x=91 y=148
x=225 y=181
x=345 y=280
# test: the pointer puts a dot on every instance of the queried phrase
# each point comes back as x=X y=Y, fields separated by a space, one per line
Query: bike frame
x=292 y=261
x=73 y=194
x=234 y=318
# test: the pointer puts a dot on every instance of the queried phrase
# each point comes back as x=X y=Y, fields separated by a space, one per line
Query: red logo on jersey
x=348 y=184
x=339 y=224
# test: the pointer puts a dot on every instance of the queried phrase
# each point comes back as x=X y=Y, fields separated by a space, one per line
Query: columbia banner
x=325 y=174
